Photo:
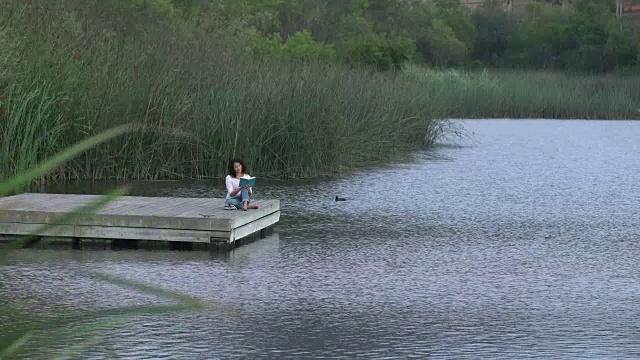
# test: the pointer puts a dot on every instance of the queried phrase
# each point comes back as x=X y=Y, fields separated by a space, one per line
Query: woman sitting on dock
x=237 y=197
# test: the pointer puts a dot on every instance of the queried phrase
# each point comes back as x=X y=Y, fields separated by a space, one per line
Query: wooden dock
x=195 y=220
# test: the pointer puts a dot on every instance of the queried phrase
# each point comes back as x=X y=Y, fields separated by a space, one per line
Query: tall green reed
x=284 y=119
x=31 y=128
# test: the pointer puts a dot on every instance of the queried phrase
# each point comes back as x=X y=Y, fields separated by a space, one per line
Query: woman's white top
x=233 y=183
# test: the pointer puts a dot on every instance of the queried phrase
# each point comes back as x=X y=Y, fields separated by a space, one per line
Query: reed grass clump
x=31 y=128
x=78 y=73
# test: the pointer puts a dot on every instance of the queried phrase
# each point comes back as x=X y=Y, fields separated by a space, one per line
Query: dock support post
x=220 y=245
x=124 y=244
x=619 y=7
x=179 y=245
x=31 y=241
x=75 y=243
x=266 y=232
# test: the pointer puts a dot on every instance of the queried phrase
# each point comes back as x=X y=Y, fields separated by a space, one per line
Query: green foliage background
x=387 y=33
x=297 y=88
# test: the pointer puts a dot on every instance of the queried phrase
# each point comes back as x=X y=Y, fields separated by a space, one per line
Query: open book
x=249 y=180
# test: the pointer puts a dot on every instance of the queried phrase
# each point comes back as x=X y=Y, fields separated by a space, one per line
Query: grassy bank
x=75 y=72
x=531 y=94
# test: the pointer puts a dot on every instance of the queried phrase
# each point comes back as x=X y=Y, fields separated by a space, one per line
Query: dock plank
x=255 y=226
x=208 y=209
x=129 y=217
x=42 y=204
x=101 y=232
x=121 y=206
x=141 y=208
x=240 y=218
x=185 y=205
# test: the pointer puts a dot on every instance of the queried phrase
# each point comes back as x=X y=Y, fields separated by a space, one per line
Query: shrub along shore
x=71 y=69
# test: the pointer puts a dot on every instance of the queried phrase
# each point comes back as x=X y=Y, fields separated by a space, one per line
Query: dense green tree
x=386 y=34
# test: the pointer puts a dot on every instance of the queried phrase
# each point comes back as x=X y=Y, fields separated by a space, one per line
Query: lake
x=522 y=243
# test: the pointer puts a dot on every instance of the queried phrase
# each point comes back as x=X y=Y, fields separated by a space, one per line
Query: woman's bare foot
x=246 y=206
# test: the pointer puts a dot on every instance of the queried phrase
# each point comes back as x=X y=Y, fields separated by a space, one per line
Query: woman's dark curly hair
x=232 y=172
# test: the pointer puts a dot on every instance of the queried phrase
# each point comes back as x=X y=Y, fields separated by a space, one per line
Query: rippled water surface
x=522 y=245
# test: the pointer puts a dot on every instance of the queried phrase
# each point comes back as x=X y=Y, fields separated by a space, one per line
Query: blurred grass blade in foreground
x=19 y=338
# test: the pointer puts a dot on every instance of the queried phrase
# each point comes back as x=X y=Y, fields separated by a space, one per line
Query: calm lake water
x=523 y=244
